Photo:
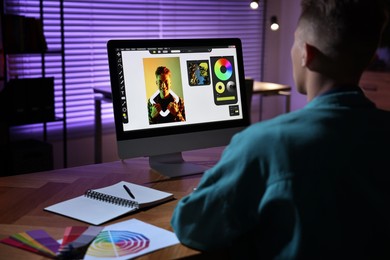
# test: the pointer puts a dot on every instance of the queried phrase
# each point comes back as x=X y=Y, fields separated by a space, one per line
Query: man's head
x=336 y=39
x=163 y=80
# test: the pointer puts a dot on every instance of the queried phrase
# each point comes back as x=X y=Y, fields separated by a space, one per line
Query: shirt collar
x=345 y=88
x=346 y=96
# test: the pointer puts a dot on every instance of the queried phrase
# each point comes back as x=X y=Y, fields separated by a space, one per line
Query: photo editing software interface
x=166 y=86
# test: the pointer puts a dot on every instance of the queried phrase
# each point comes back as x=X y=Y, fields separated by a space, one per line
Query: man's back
x=312 y=183
x=332 y=161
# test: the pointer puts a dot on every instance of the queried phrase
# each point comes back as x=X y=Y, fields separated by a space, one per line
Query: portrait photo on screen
x=164 y=90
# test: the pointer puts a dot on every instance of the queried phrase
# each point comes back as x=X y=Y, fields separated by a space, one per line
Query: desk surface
x=105 y=91
x=269 y=88
x=23 y=198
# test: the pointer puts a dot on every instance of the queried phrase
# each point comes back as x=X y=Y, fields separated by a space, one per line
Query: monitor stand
x=173 y=165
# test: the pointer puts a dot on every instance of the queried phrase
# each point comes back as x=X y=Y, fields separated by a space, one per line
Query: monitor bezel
x=113 y=45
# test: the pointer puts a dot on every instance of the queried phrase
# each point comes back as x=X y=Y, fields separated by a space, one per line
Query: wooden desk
x=23 y=198
x=271 y=89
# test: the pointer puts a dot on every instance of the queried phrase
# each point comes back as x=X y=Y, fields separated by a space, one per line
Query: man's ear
x=311 y=57
x=309 y=54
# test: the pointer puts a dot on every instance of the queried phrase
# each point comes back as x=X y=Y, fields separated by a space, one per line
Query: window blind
x=88 y=24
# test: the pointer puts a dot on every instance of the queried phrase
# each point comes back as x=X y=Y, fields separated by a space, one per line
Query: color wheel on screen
x=224 y=80
x=223 y=69
x=116 y=243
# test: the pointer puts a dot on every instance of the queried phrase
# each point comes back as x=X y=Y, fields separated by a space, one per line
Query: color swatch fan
x=123 y=240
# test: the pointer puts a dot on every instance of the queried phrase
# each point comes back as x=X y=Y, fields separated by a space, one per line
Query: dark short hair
x=346 y=28
x=162 y=70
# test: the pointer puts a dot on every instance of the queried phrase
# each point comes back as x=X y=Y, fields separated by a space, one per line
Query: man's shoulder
x=275 y=130
x=282 y=121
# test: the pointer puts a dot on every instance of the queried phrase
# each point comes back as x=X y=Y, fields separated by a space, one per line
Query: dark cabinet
x=26 y=99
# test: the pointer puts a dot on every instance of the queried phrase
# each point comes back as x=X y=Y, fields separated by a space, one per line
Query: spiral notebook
x=101 y=205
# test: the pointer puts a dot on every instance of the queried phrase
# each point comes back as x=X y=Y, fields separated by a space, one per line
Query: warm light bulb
x=274 y=23
x=274 y=27
x=254 y=5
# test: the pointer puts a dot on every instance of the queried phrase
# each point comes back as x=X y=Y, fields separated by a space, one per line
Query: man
x=165 y=106
x=313 y=183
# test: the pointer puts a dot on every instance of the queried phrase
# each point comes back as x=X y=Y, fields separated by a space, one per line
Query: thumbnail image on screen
x=198 y=72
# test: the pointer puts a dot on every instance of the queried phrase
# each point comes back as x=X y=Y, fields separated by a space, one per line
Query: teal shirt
x=311 y=183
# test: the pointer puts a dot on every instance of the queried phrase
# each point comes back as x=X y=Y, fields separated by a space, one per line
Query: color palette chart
x=123 y=240
x=115 y=243
x=129 y=239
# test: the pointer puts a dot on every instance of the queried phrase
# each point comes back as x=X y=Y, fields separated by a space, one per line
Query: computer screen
x=175 y=95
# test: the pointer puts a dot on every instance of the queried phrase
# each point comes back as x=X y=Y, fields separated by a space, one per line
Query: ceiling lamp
x=274 y=23
x=254 y=4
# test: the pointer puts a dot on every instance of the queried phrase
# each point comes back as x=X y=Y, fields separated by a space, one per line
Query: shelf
x=25 y=100
x=13 y=124
x=46 y=52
